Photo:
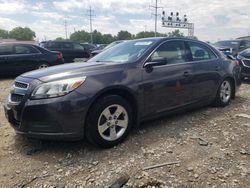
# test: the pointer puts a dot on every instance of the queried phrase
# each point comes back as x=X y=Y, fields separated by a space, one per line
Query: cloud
x=11 y=7
x=213 y=20
x=69 y=5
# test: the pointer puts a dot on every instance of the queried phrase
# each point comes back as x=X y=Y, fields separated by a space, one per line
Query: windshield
x=228 y=43
x=125 y=52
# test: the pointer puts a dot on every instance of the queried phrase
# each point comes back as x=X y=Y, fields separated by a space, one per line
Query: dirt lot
x=211 y=148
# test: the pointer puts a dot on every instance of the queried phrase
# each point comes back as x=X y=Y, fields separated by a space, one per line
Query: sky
x=213 y=19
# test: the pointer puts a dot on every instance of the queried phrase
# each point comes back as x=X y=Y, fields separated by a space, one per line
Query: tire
x=109 y=121
x=43 y=66
x=224 y=93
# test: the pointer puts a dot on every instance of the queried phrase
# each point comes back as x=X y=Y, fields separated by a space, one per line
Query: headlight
x=57 y=88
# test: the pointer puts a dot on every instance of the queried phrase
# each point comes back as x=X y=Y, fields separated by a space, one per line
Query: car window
x=67 y=45
x=173 y=51
x=25 y=50
x=6 y=49
x=247 y=44
x=78 y=47
x=55 y=45
x=200 y=52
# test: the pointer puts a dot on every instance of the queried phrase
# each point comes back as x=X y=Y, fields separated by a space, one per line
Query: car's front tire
x=109 y=121
x=224 y=93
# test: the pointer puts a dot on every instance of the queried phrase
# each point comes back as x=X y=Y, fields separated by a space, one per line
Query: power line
x=155 y=14
x=90 y=14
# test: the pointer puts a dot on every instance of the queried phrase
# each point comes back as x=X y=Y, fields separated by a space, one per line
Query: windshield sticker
x=145 y=43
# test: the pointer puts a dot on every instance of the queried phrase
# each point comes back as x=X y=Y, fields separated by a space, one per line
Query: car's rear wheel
x=225 y=93
x=43 y=66
x=109 y=121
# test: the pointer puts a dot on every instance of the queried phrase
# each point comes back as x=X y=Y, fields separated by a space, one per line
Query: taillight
x=59 y=56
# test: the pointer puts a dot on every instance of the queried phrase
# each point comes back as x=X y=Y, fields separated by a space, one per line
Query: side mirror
x=156 y=61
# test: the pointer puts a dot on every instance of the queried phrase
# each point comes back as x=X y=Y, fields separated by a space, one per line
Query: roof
x=15 y=43
x=245 y=37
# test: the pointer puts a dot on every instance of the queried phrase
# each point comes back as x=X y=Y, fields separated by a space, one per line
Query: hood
x=245 y=53
x=71 y=70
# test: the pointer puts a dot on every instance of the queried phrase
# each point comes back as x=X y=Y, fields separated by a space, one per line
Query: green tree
x=20 y=33
x=107 y=38
x=97 y=37
x=146 y=34
x=175 y=33
x=124 y=35
x=80 y=36
x=59 y=39
x=4 y=34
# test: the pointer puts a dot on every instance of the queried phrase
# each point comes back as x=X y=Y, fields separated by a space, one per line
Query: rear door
x=26 y=58
x=79 y=51
x=67 y=50
x=207 y=69
x=168 y=86
x=6 y=64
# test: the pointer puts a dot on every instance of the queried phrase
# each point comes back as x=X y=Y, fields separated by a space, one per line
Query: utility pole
x=66 y=28
x=155 y=14
x=90 y=14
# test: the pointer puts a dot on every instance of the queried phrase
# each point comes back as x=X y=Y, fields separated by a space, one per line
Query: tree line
x=25 y=33
x=18 y=33
x=99 y=38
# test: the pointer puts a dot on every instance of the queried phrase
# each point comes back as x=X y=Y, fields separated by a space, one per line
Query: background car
x=100 y=47
x=70 y=50
x=232 y=47
x=132 y=82
x=99 y=50
x=89 y=47
x=244 y=59
x=16 y=58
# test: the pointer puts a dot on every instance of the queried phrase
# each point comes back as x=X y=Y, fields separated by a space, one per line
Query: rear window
x=25 y=50
x=67 y=45
x=55 y=45
x=200 y=52
x=6 y=49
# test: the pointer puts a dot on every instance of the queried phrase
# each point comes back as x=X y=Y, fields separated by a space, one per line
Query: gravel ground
x=208 y=147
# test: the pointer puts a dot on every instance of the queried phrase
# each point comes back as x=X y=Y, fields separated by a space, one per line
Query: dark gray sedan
x=116 y=90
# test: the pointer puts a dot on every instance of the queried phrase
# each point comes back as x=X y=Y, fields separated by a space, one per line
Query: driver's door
x=167 y=86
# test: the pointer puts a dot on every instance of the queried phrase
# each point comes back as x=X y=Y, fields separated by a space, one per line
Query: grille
x=246 y=62
x=16 y=97
x=21 y=85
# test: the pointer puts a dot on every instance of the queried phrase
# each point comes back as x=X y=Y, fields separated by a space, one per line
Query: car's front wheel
x=224 y=93
x=42 y=66
x=109 y=121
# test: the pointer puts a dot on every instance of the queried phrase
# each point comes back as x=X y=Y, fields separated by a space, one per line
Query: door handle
x=217 y=68
x=186 y=74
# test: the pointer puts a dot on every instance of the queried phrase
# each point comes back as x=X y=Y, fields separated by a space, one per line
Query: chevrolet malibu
x=114 y=91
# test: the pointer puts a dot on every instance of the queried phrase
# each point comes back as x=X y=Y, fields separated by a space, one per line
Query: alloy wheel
x=225 y=91
x=43 y=66
x=113 y=122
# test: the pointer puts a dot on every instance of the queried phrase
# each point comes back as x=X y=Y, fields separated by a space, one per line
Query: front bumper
x=59 y=118
x=245 y=71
